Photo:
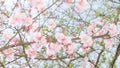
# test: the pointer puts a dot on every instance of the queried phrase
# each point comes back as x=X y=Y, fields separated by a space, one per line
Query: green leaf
x=26 y=46
x=13 y=67
x=68 y=12
x=45 y=29
x=73 y=18
x=45 y=65
x=70 y=65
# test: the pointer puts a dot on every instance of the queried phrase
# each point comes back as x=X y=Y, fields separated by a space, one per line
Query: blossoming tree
x=59 y=34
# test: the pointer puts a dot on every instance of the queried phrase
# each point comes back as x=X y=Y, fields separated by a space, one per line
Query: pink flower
x=17 y=19
x=85 y=48
x=52 y=24
x=9 y=53
x=108 y=43
x=37 y=36
x=113 y=32
x=34 y=26
x=28 y=21
x=20 y=19
x=84 y=63
x=31 y=53
x=87 y=42
x=100 y=22
x=112 y=29
x=81 y=6
x=70 y=49
x=86 y=39
x=8 y=34
x=1 y=54
x=77 y=8
x=67 y=41
x=58 y=47
x=51 y=49
x=43 y=41
x=83 y=3
x=36 y=46
x=36 y=3
x=81 y=25
x=60 y=37
x=68 y=1
x=101 y=32
x=90 y=29
x=15 y=41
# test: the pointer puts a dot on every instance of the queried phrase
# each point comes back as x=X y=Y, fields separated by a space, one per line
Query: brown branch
x=115 y=57
x=46 y=9
x=116 y=19
x=28 y=43
x=77 y=38
x=38 y=58
x=2 y=65
x=11 y=46
x=98 y=59
x=13 y=60
x=24 y=49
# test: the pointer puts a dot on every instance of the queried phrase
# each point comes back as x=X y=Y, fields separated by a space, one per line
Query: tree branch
x=116 y=56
